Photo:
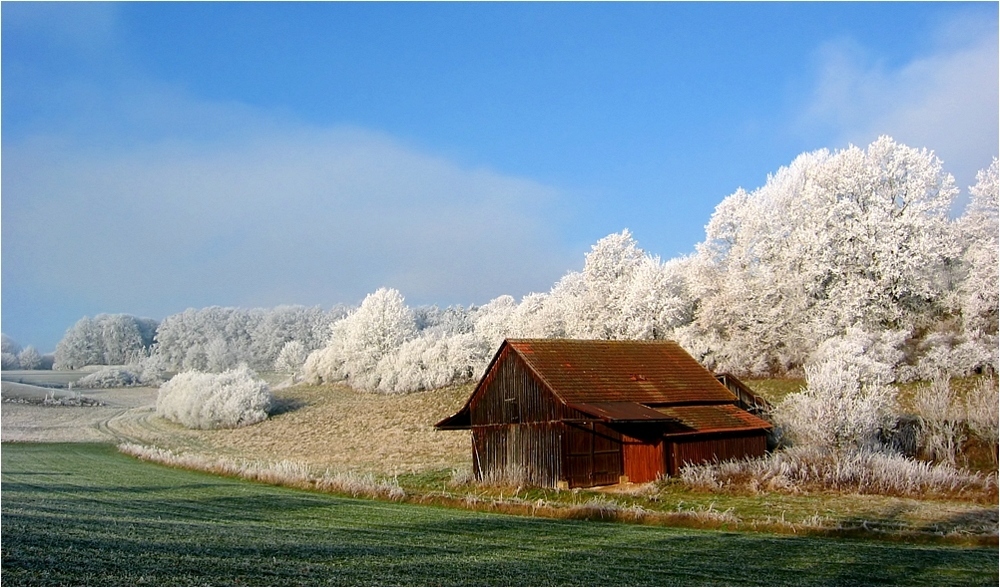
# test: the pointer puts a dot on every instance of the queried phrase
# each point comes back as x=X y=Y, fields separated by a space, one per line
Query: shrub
x=290 y=358
x=802 y=469
x=838 y=410
x=981 y=412
x=110 y=377
x=941 y=420
x=234 y=398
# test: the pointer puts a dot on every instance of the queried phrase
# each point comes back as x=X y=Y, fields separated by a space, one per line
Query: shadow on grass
x=284 y=405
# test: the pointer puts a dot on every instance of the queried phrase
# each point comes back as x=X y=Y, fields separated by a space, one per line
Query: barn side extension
x=576 y=413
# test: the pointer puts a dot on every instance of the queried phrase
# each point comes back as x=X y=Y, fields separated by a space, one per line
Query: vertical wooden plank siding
x=512 y=395
x=694 y=451
x=516 y=435
x=517 y=454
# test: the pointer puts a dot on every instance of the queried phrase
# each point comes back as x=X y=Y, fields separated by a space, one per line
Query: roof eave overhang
x=458 y=421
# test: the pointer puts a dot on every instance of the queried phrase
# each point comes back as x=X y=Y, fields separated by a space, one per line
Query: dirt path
x=23 y=418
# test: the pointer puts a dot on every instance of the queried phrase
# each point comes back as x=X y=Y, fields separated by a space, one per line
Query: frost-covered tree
x=290 y=358
x=220 y=338
x=858 y=238
x=8 y=361
x=9 y=345
x=360 y=340
x=622 y=293
x=493 y=320
x=310 y=326
x=443 y=321
x=106 y=339
x=432 y=361
x=29 y=358
x=212 y=338
x=977 y=292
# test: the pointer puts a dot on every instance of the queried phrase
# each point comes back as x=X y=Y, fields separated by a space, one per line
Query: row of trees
x=212 y=339
x=849 y=255
x=841 y=255
x=14 y=357
x=106 y=339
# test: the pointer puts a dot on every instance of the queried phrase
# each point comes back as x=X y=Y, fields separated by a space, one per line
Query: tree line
x=843 y=254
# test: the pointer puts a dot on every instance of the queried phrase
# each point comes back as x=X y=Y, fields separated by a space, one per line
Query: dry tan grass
x=328 y=427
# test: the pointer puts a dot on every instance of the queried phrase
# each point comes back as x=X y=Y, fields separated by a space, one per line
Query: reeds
x=283 y=473
x=804 y=469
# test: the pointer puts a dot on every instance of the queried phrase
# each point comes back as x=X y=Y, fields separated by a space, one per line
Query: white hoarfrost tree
x=234 y=398
x=29 y=358
x=977 y=292
x=9 y=362
x=622 y=293
x=360 y=340
x=855 y=238
x=9 y=345
x=432 y=361
x=217 y=338
x=106 y=339
x=290 y=358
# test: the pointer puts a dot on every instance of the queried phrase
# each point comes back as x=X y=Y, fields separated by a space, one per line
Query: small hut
x=570 y=413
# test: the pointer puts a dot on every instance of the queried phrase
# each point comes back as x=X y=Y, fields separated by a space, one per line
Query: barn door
x=593 y=455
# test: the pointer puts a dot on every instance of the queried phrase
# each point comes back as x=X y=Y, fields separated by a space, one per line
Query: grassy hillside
x=84 y=514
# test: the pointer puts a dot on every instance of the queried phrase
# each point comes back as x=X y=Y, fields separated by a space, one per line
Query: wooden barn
x=575 y=413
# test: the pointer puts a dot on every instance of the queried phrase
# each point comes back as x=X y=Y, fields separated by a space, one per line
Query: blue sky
x=160 y=156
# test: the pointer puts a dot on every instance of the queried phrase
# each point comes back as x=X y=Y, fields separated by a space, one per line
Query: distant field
x=83 y=514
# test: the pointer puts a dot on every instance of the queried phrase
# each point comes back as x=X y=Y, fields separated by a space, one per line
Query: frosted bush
x=839 y=409
x=109 y=377
x=941 y=420
x=234 y=398
x=291 y=358
x=982 y=412
x=801 y=469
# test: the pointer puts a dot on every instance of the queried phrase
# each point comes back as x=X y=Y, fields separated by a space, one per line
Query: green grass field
x=83 y=514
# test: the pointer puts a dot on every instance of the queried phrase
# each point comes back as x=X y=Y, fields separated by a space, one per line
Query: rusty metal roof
x=714 y=418
x=622 y=412
x=646 y=372
x=625 y=382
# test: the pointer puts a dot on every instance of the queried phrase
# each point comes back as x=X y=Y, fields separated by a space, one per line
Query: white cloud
x=946 y=101
x=296 y=216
